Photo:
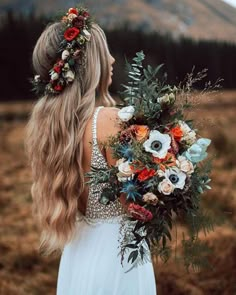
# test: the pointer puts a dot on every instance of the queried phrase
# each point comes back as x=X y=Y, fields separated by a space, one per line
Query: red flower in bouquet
x=146 y=174
x=71 y=33
x=177 y=133
x=140 y=213
x=137 y=166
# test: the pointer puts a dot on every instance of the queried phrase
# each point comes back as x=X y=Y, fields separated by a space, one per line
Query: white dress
x=90 y=264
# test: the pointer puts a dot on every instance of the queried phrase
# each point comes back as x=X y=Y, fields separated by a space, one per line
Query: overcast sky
x=232 y=2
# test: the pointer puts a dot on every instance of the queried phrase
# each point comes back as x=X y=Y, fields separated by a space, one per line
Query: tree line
x=18 y=35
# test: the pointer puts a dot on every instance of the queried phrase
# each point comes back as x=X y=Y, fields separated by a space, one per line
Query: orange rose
x=169 y=160
x=177 y=133
x=141 y=132
x=146 y=174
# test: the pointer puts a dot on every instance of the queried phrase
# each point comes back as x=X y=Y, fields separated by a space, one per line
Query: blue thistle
x=126 y=152
x=131 y=189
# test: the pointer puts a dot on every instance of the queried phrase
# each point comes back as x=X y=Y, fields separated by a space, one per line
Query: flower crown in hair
x=76 y=34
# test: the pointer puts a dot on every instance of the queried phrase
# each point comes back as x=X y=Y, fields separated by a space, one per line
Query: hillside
x=201 y=19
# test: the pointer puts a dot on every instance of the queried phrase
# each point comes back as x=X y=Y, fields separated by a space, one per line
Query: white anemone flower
x=176 y=177
x=158 y=144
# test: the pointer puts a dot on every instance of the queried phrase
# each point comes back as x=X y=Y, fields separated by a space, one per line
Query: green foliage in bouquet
x=162 y=167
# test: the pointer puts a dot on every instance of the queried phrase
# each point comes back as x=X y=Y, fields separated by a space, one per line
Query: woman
x=63 y=141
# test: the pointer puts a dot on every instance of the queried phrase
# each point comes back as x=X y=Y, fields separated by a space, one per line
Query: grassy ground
x=23 y=271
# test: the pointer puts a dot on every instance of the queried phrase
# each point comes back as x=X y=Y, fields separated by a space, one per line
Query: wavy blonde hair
x=54 y=135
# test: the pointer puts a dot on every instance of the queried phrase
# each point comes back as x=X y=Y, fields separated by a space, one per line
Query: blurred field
x=23 y=271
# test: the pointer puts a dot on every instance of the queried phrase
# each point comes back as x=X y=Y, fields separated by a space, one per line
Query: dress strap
x=94 y=125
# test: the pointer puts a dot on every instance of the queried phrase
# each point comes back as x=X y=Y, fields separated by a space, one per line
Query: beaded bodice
x=95 y=210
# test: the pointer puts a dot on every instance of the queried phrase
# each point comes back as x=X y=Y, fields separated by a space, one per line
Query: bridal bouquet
x=160 y=165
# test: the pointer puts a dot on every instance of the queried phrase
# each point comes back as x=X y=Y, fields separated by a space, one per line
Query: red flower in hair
x=57 y=69
x=78 y=22
x=58 y=87
x=145 y=174
x=85 y=14
x=73 y=10
x=61 y=63
x=71 y=33
x=140 y=213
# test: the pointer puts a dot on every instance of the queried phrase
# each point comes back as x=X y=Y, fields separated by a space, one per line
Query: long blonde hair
x=54 y=135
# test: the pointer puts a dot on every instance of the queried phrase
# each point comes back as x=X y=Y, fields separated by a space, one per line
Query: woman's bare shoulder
x=109 y=123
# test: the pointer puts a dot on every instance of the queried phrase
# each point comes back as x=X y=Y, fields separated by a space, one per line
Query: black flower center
x=174 y=178
x=156 y=145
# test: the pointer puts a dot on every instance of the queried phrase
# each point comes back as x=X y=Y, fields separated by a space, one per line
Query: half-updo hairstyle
x=55 y=131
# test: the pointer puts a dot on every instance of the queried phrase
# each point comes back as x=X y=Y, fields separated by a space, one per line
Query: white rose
x=54 y=76
x=126 y=113
x=166 y=187
x=189 y=135
x=120 y=161
x=125 y=172
x=65 y=54
x=70 y=76
x=163 y=99
x=150 y=198
x=185 y=165
x=71 y=16
x=167 y=98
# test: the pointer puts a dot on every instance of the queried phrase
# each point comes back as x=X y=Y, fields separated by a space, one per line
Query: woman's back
x=102 y=124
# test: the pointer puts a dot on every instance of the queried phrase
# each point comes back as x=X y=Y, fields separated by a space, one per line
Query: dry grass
x=23 y=271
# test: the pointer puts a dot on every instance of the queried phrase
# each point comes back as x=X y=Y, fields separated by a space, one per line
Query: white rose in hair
x=69 y=76
x=54 y=76
x=126 y=113
x=166 y=187
x=65 y=54
x=71 y=16
x=185 y=165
